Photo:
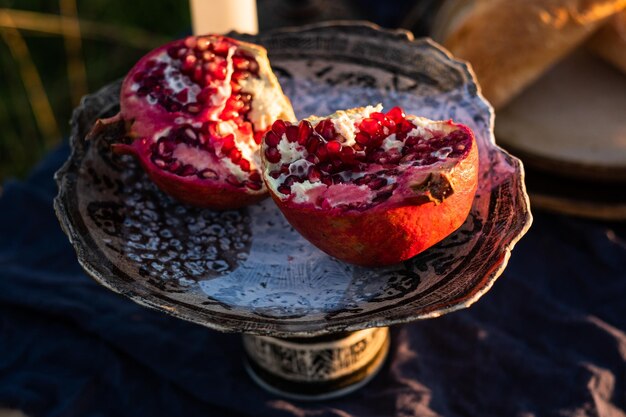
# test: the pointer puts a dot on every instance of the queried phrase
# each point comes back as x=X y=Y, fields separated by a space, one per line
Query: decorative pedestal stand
x=247 y=270
x=319 y=367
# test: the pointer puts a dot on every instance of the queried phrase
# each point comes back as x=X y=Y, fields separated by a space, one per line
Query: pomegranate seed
x=209 y=128
x=234 y=155
x=172 y=51
x=190 y=134
x=244 y=164
x=174 y=166
x=326 y=180
x=208 y=174
x=338 y=179
x=255 y=176
x=322 y=153
x=246 y=128
x=284 y=169
x=258 y=137
x=165 y=146
x=221 y=47
x=232 y=180
x=139 y=76
x=143 y=91
x=325 y=166
x=377 y=183
x=304 y=131
x=326 y=129
x=229 y=115
x=382 y=196
x=347 y=154
x=396 y=114
x=198 y=74
x=204 y=95
x=272 y=155
x=313 y=144
x=202 y=44
x=254 y=185
x=208 y=56
x=240 y=75
x=292 y=133
x=290 y=180
x=173 y=106
x=234 y=102
x=235 y=87
x=312 y=158
x=405 y=127
x=219 y=73
x=272 y=139
x=333 y=147
x=228 y=143
x=376 y=156
x=240 y=63
x=279 y=127
x=283 y=189
x=188 y=64
x=384 y=120
x=363 y=180
x=253 y=67
x=408 y=157
x=429 y=160
x=192 y=108
x=275 y=174
x=412 y=141
x=182 y=95
x=371 y=126
x=378 y=116
x=314 y=174
x=190 y=42
x=186 y=171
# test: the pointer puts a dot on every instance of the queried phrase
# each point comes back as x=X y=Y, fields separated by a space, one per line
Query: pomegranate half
x=371 y=188
x=195 y=112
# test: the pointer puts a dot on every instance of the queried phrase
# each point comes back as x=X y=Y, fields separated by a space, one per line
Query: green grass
x=114 y=33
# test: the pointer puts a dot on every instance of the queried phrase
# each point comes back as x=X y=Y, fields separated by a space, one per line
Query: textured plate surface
x=247 y=270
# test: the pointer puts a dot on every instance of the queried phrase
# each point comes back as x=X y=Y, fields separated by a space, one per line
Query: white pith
x=345 y=123
x=267 y=103
x=224 y=90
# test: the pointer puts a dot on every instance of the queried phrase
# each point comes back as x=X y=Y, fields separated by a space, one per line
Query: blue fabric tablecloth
x=548 y=340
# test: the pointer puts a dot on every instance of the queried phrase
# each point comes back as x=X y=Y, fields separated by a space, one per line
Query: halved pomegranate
x=196 y=110
x=371 y=188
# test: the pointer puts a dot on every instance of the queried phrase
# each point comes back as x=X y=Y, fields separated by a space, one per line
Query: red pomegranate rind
x=196 y=110
x=370 y=188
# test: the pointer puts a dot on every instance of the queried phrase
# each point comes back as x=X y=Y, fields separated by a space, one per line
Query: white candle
x=221 y=16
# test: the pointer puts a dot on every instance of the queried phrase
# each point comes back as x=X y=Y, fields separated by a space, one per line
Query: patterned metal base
x=319 y=367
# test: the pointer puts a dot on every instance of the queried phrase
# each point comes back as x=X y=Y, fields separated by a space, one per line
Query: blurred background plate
x=572 y=121
x=569 y=128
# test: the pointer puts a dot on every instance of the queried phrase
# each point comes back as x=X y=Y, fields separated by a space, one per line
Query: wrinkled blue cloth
x=548 y=339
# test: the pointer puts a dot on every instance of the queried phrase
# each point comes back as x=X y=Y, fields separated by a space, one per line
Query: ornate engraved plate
x=248 y=270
